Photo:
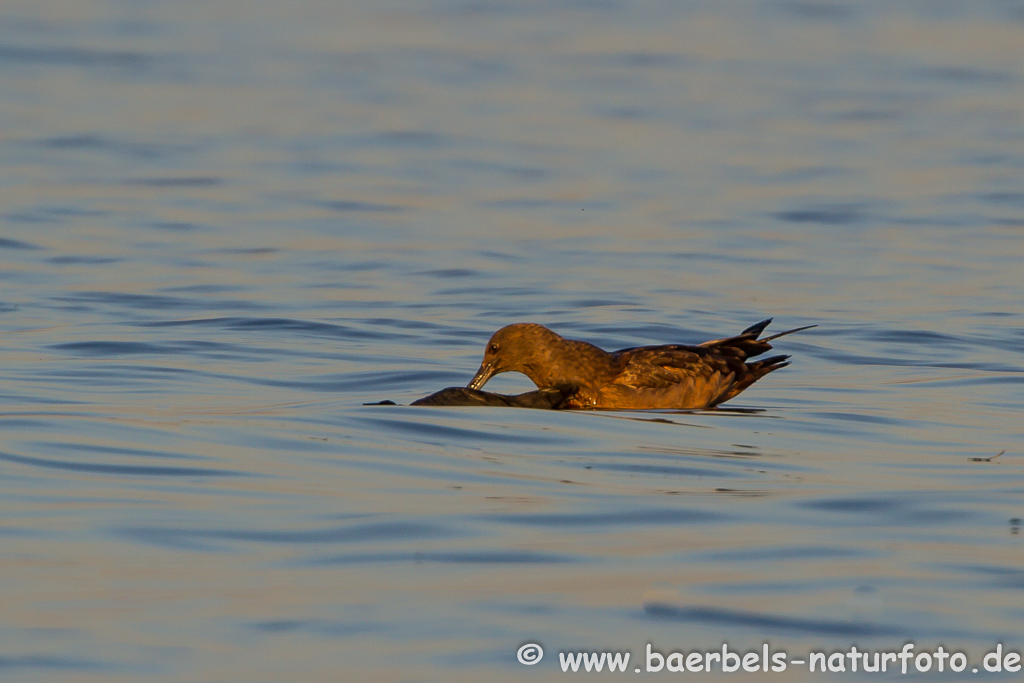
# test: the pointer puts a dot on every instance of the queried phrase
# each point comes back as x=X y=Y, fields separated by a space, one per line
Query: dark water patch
x=796 y=174
x=51 y=662
x=449 y=435
x=446 y=68
x=319 y=627
x=595 y=303
x=609 y=7
x=1015 y=199
x=718 y=257
x=419 y=139
x=202 y=289
x=356 y=266
x=740 y=493
x=84 y=141
x=865 y=115
x=988 y=159
x=380 y=382
x=987 y=367
x=784 y=553
x=109 y=349
x=501 y=256
x=854 y=505
x=805 y=173
x=977 y=381
x=22 y=423
x=73 y=56
x=51 y=213
x=175 y=226
x=363 y=207
x=247 y=251
x=316 y=167
x=845 y=358
x=305 y=327
x=449 y=273
x=373 y=532
x=483 y=8
x=150 y=302
x=104 y=373
x=521 y=173
x=177 y=182
x=83 y=260
x=448 y=478
x=492 y=293
x=407 y=324
x=6 y=243
x=818 y=11
x=31 y=218
x=526 y=203
x=92 y=142
x=914 y=337
x=133 y=470
x=994 y=314
x=646 y=60
x=1002 y=577
x=114 y=450
x=889 y=511
x=475 y=557
x=769 y=623
x=839 y=357
x=14 y=532
x=664 y=470
x=858 y=417
x=921 y=343
x=834 y=214
x=968 y=75
x=623 y=113
x=694 y=452
x=642 y=517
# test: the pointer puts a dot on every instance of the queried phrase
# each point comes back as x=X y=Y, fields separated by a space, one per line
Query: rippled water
x=227 y=225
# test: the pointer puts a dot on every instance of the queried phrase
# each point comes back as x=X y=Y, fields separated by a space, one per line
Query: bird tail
x=755 y=371
x=747 y=345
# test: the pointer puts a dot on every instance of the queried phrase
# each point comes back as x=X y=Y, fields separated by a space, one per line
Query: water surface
x=225 y=226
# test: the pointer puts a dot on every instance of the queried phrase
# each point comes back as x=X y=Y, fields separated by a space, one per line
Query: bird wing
x=708 y=374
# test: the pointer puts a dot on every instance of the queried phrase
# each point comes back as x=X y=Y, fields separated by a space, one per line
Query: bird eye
x=493 y=348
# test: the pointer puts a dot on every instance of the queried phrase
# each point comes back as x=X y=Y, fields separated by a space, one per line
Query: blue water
x=226 y=226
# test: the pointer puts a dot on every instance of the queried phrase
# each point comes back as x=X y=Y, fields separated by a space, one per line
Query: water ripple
x=73 y=56
x=313 y=328
x=646 y=517
x=772 y=624
x=373 y=532
x=134 y=470
x=460 y=434
x=150 y=302
x=473 y=557
x=52 y=662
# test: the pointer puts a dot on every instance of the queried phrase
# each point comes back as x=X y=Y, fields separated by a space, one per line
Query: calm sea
x=226 y=225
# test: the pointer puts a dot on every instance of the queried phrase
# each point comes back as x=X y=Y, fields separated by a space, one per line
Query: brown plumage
x=674 y=376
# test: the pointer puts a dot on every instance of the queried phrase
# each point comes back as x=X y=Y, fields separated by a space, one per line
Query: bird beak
x=485 y=372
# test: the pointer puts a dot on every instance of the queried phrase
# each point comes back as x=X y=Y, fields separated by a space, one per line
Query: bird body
x=674 y=376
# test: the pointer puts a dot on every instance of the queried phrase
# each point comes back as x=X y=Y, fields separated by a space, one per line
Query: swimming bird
x=674 y=376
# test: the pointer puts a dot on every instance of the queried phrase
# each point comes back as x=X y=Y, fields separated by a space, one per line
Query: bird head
x=515 y=348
